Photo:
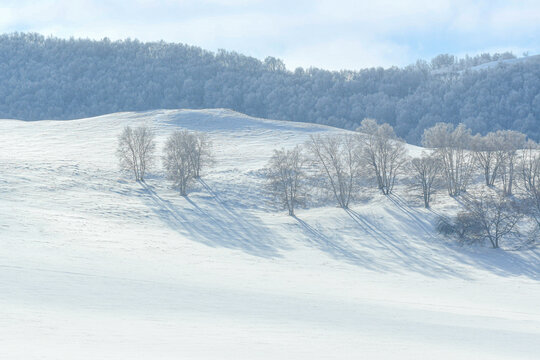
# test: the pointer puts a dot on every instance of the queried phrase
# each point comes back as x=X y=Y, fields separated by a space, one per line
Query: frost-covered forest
x=50 y=78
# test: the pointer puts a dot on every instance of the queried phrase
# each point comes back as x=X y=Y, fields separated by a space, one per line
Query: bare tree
x=201 y=154
x=334 y=157
x=425 y=172
x=450 y=145
x=136 y=150
x=530 y=175
x=286 y=178
x=488 y=155
x=177 y=159
x=382 y=151
x=496 y=215
x=510 y=142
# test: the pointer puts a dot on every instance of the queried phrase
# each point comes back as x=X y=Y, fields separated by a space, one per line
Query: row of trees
x=342 y=163
x=185 y=155
x=337 y=163
x=454 y=157
x=51 y=78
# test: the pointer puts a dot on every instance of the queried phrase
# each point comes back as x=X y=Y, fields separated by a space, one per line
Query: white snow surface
x=490 y=65
x=96 y=266
x=507 y=62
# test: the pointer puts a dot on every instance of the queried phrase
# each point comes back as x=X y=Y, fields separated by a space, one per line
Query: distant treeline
x=51 y=78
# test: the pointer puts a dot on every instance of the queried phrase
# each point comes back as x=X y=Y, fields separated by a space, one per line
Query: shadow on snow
x=411 y=244
x=220 y=226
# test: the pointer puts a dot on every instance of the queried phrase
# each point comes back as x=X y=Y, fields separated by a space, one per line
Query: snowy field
x=95 y=266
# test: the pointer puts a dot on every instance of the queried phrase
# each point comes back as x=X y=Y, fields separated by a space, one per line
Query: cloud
x=348 y=54
x=520 y=21
x=323 y=33
x=386 y=13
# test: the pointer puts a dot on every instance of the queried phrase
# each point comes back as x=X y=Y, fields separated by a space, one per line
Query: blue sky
x=331 y=34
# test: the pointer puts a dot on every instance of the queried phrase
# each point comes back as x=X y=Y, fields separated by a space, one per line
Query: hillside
x=95 y=266
x=50 y=78
x=506 y=62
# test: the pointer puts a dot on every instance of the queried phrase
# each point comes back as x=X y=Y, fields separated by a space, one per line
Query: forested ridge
x=51 y=78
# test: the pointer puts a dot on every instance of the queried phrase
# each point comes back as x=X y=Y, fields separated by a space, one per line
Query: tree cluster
x=51 y=78
x=185 y=155
x=337 y=163
x=453 y=160
x=503 y=159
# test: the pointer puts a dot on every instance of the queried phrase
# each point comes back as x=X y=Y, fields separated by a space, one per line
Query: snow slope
x=507 y=62
x=95 y=266
x=525 y=60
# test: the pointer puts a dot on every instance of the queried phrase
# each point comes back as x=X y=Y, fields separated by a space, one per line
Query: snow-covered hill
x=95 y=266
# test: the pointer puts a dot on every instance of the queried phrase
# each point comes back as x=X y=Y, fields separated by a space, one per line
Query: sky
x=329 y=34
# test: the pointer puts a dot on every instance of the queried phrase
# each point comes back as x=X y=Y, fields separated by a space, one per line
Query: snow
x=493 y=64
x=95 y=266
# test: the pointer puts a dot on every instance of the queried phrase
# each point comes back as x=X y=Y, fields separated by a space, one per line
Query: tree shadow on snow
x=505 y=263
x=496 y=261
x=336 y=247
x=393 y=248
x=377 y=247
x=216 y=224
